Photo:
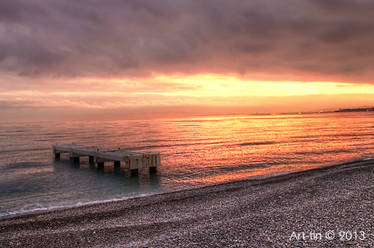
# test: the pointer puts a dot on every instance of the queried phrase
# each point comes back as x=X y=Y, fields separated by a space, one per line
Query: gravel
x=326 y=207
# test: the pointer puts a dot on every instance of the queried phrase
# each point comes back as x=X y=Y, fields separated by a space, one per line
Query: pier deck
x=136 y=162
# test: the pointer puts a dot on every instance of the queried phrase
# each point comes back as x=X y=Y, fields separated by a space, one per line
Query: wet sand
x=270 y=212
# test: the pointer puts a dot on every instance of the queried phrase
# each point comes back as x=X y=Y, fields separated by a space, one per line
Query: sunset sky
x=127 y=59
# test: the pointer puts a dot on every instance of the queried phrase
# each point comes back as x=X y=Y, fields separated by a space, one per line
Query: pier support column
x=117 y=164
x=76 y=160
x=100 y=165
x=57 y=156
x=91 y=160
x=158 y=160
x=152 y=170
x=134 y=172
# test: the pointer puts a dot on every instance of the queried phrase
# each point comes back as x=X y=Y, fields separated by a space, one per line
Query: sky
x=118 y=59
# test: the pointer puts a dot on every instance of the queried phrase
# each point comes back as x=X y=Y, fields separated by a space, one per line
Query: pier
x=136 y=162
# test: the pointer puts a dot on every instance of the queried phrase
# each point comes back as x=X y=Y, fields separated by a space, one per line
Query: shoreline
x=39 y=228
x=54 y=209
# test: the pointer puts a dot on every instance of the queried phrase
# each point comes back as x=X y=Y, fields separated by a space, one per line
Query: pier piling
x=100 y=165
x=57 y=156
x=134 y=172
x=117 y=164
x=152 y=170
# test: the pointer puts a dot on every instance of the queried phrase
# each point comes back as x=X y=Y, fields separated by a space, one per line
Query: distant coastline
x=355 y=110
x=343 y=110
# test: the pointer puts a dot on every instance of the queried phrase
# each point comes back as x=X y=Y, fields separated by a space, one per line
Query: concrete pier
x=135 y=162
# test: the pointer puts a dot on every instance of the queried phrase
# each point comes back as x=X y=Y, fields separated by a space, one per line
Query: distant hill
x=355 y=110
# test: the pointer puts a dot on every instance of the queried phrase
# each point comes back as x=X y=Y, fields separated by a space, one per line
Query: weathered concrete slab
x=132 y=160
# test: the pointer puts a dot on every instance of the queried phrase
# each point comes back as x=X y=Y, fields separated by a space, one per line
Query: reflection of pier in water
x=135 y=162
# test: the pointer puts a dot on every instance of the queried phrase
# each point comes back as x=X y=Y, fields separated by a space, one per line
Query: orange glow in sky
x=226 y=86
x=176 y=94
x=209 y=89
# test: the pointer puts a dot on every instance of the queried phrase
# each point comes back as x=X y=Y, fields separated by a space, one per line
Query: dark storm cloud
x=322 y=38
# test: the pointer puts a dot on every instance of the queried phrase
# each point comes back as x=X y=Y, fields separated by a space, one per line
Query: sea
x=195 y=152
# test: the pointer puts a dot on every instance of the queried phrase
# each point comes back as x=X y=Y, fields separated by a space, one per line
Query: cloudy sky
x=118 y=59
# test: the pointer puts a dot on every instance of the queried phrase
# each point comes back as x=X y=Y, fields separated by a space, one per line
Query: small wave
x=41 y=140
x=245 y=166
x=322 y=152
x=38 y=208
x=153 y=141
x=25 y=150
x=334 y=135
x=19 y=131
x=172 y=145
x=23 y=165
x=257 y=143
x=57 y=136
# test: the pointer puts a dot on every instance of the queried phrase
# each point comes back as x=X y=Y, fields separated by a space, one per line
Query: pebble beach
x=313 y=208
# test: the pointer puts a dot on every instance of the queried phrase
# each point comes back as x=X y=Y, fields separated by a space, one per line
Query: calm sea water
x=195 y=152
